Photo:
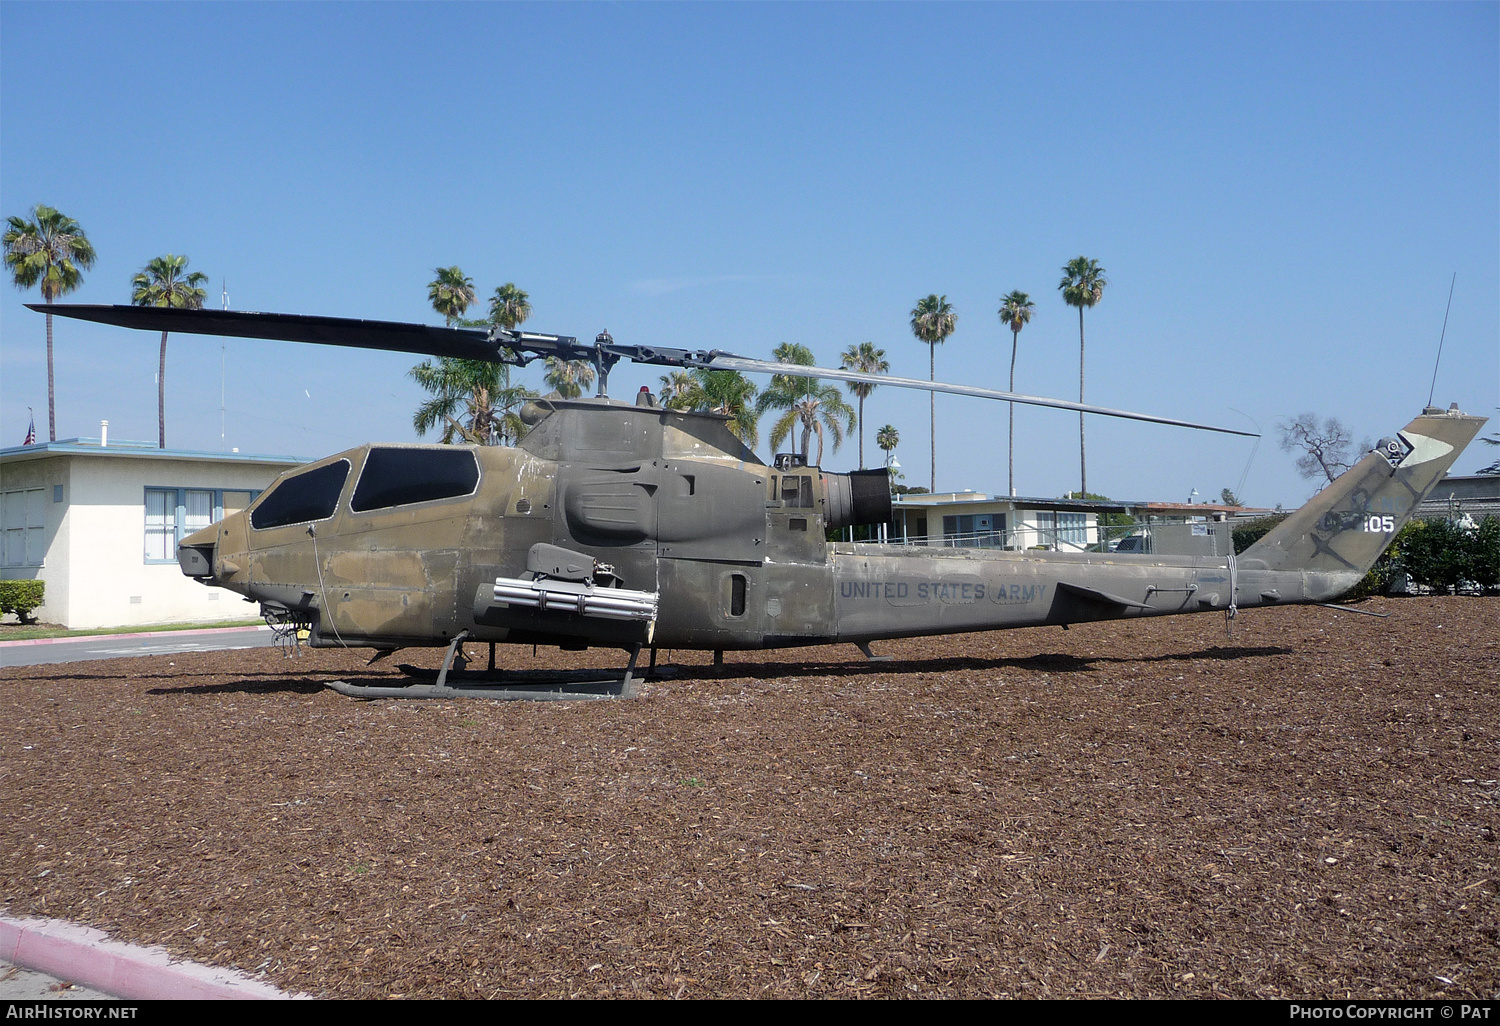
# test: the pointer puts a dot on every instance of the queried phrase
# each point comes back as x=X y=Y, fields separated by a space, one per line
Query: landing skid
x=499 y=686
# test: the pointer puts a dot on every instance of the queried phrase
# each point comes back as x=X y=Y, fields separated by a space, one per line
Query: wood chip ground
x=1305 y=808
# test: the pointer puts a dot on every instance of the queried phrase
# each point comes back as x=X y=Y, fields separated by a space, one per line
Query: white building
x=99 y=524
x=977 y=520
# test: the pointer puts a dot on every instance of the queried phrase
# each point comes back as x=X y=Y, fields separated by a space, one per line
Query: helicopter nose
x=196 y=561
x=196 y=553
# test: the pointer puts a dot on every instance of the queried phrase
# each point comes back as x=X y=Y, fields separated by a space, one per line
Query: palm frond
x=782 y=428
x=450 y=293
x=50 y=250
x=933 y=319
x=1016 y=310
x=1083 y=282
x=509 y=306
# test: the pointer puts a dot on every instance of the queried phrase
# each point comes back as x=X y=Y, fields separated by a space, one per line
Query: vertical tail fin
x=1344 y=528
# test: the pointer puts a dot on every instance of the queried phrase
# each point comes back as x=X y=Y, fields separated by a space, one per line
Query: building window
x=1058 y=529
x=174 y=513
x=200 y=510
x=161 y=524
x=24 y=523
x=974 y=531
x=1072 y=528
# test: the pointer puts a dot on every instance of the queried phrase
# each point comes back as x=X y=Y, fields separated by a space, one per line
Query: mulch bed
x=1307 y=808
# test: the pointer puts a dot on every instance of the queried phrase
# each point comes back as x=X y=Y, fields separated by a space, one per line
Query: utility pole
x=223 y=363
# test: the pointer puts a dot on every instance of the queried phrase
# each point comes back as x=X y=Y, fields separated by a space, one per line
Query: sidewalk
x=104 y=968
x=138 y=634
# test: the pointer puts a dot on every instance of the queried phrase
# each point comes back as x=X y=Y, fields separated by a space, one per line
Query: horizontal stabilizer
x=1101 y=597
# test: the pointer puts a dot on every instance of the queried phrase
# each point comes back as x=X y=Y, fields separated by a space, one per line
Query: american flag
x=31 y=432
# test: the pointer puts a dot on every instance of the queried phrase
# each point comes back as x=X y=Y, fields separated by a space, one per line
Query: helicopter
x=633 y=526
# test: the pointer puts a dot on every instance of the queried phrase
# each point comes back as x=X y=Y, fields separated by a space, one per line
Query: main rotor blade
x=501 y=346
x=739 y=363
x=423 y=339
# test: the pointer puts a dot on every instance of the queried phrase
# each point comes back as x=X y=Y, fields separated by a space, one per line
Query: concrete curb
x=84 y=955
x=141 y=634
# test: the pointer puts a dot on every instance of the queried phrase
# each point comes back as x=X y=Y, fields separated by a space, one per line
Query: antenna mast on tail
x=1444 y=335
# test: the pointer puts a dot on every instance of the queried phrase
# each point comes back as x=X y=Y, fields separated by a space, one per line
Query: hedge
x=21 y=597
x=1437 y=553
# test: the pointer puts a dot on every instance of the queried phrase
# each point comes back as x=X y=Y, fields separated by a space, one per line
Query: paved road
x=113 y=646
x=18 y=983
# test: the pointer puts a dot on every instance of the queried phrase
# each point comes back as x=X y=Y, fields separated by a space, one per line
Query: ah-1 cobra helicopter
x=624 y=525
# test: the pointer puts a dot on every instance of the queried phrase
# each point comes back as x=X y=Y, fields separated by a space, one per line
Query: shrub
x=1486 y=570
x=21 y=597
x=1388 y=565
x=1439 y=554
x=1254 y=531
x=1436 y=553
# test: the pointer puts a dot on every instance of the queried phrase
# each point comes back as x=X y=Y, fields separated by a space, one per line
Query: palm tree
x=509 y=306
x=1082 y=284
x=51 y=251
x=817 y=407
x=1015 y=313
x=710 y=391
x=165 y=282
x=481 y=390
x=732 y=394
x=679 y=390
x=1493 y=468
x=932 y=321
x=888 y=438
x=450 y=293
x=865 y=359
x=568 y=378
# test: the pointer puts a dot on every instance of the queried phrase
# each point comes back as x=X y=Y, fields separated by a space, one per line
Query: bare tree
x=1327 y=448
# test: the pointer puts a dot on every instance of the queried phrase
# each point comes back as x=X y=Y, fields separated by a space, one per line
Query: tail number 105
x=1380 y=524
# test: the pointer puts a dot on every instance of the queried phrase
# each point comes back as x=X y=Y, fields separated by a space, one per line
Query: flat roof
x=136 y=450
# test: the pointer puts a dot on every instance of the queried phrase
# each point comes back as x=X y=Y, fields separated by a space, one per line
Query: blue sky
x=1279 y=193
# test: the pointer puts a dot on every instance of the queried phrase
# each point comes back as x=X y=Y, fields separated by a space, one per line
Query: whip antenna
x=1439 y=359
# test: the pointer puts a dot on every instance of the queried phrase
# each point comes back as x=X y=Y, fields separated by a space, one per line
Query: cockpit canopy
x=389 y=476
